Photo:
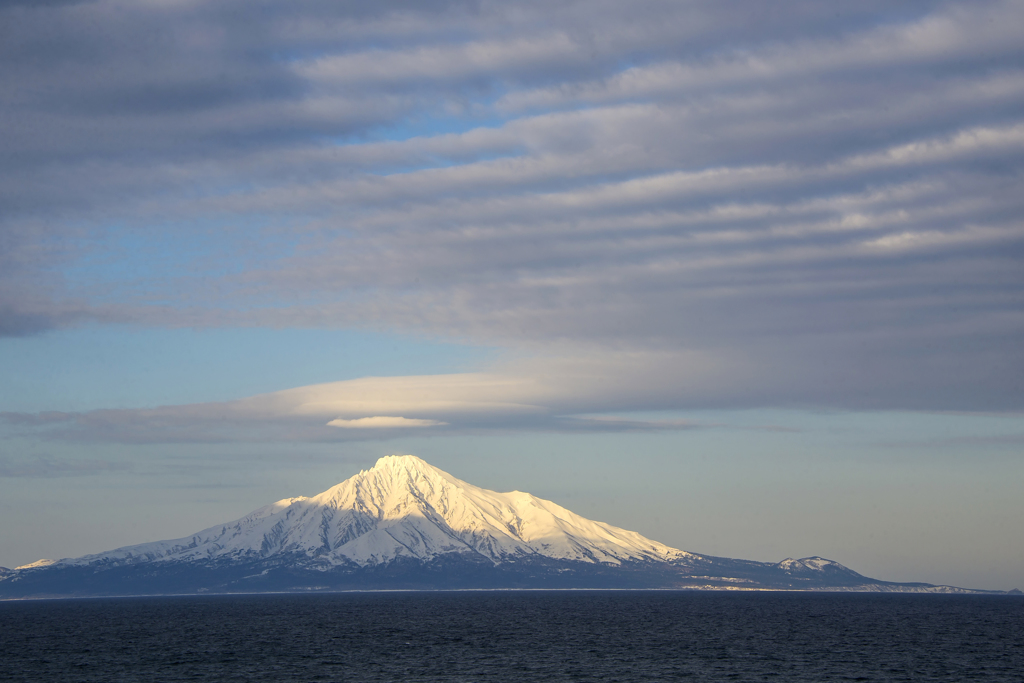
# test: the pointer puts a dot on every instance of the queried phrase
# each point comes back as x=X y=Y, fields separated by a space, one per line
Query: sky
x=747 y=278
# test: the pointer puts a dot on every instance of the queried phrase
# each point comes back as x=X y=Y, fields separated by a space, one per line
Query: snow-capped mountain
x=406 y=524
x=403 y=508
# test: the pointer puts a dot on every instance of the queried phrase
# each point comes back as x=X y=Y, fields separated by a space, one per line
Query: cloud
x=444 y=63
x=600 y=391
x=553 y=394
x=939 y=38
x=383 y=422
x=14 y=323
x=822 y=204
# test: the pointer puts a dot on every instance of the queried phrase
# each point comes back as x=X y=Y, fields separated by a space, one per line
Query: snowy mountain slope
x=404 y=508
x=406 y=524
x=811 y=566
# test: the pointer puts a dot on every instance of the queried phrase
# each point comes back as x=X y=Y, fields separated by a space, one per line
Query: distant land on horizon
x=405 y=524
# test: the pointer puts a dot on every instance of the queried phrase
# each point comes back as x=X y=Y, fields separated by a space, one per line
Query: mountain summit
x=406 y=524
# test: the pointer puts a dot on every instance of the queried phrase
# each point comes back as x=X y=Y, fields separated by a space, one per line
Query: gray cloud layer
x=826 y=203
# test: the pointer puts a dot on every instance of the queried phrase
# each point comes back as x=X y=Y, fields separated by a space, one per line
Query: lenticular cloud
x=383 y=422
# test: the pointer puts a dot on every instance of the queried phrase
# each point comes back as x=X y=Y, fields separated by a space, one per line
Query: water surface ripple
x=516 y=636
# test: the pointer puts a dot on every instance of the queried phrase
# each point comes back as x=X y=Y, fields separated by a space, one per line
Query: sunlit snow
x=404 y=508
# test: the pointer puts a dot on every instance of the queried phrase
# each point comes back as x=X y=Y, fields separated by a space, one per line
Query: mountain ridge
x=406 y=524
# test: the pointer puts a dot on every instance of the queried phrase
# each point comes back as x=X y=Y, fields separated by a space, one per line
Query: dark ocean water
x=516 y=636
